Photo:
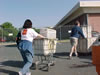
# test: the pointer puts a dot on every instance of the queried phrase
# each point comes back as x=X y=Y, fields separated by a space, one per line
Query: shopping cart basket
x=44 y=50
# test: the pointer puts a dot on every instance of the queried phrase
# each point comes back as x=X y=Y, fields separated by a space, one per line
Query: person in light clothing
x=75 y=34
x=25 y=46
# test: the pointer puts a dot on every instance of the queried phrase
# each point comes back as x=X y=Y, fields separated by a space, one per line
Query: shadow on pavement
x=86 y=57
x=11 y=45
x=84 y=65
x=64 y=55
x=11 y=63
x=81 y=66
x=8 y=72
x=61 y=55
x=87 y=62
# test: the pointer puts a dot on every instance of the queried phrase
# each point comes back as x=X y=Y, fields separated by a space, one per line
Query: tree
x=37 y=30
x=7 y=29
x=7 y=25
x=0 y=32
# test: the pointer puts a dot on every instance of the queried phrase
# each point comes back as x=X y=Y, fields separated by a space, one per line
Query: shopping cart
x=44 y=50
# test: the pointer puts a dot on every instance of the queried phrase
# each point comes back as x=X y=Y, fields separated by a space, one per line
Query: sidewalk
x=7 y=43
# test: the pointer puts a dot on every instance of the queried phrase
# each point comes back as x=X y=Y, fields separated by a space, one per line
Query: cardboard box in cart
x=48 y=45
x=45 y=46
x=48 y=33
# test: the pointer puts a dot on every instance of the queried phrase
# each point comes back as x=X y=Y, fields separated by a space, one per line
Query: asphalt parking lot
x=11 y=62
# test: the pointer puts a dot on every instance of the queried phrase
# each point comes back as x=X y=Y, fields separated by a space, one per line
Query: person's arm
x=39 y=36
x=81 y=33
x=36 y=35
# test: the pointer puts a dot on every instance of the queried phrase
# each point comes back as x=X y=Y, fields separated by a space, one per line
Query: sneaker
x=20 y=73
x=77 y=55
x=70 y=57
x=29 y=73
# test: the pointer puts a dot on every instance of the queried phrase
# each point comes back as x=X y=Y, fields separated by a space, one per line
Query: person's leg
x=76 y=43
x=76 y=51
x=72 y=47
x=71 y=52
x=23 y=56
x=28 y=64
x=24 y=60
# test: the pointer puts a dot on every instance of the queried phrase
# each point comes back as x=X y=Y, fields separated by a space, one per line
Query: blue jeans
x=28 y=59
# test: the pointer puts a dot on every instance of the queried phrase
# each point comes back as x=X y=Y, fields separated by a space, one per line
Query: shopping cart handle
x=45 y=39
x=40 y=38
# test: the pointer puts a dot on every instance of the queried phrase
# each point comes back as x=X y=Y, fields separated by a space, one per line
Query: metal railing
x=63 y=32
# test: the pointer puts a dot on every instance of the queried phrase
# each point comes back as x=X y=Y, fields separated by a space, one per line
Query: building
x=87 y=12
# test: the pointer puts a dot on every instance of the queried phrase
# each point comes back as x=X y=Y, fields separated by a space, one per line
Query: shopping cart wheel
x=48 y=66
x=37 y=64
x=52 y=63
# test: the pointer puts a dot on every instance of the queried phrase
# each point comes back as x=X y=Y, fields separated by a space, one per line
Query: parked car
x=95 y=34
x=2 y=40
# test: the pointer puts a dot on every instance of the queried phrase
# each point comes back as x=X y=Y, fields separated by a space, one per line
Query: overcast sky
x=43 y=13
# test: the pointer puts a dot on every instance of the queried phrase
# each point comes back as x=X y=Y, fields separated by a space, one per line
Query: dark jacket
x=18 y=38
x=77 y=32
